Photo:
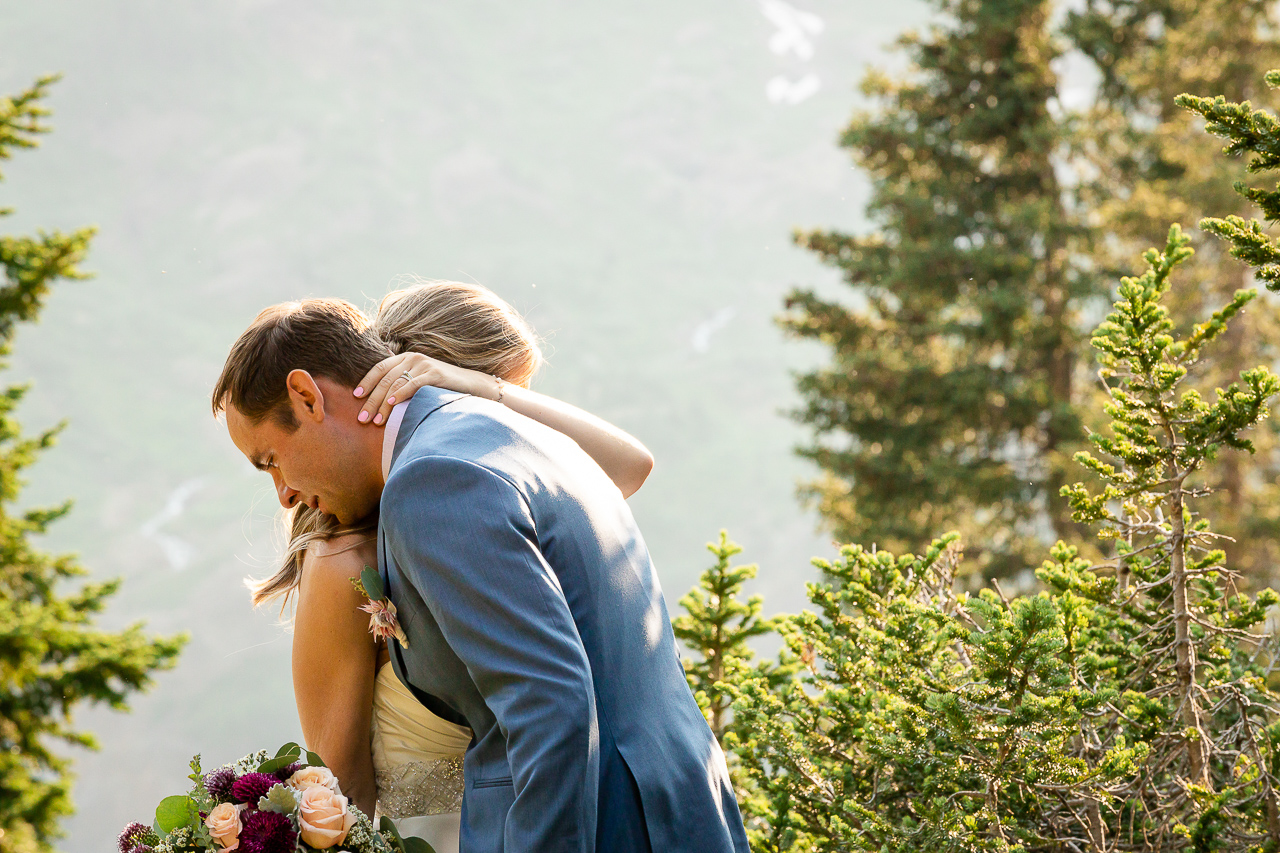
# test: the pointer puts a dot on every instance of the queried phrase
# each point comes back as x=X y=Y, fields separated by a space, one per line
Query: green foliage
x=948 y=400
x=31 y=264
x=1193 y=675
x=718 y=626
x=398 y=844
x=1124 y=707
x=52 y=659
x=1162 y=436
x=960 y=383
x=280 y=799
x=371 y=584
x=1145 y=162
x=173 y=812
x=1257 y=133
x=926 y=720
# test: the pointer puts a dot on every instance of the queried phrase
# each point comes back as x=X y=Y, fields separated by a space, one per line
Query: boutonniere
x=382 y=611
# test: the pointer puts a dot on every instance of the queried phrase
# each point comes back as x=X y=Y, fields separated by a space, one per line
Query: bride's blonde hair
x=464 y=324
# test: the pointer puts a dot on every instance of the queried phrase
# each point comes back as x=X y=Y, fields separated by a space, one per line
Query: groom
x=530 y=605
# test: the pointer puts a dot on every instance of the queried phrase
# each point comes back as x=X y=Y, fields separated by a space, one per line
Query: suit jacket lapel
x=432 y=400
x=426 y=401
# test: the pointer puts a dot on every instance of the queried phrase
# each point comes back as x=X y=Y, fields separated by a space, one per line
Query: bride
x=381 y=742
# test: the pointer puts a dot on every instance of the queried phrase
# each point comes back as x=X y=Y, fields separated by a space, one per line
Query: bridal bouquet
x=290 y=803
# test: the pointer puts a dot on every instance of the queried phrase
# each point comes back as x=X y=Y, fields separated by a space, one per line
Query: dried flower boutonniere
x=382 y=611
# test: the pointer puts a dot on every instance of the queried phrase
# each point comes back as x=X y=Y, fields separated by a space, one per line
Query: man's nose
x=288 y=497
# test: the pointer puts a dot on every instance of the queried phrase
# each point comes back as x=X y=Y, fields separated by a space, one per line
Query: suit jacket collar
x=424 y=402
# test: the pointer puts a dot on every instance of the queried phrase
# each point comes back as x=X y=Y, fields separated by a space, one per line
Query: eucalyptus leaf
x=409 y=844
x=372 y=583
x=315 y=760
x=388 y=827
x=282 y=760
x=414 y=844
x=274 y=764
x=288 y=748
x=175 y=812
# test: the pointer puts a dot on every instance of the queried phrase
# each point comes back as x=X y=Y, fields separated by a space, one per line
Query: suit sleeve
x=465 y=537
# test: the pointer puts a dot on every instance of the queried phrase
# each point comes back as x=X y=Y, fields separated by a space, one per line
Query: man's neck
x=340 y=403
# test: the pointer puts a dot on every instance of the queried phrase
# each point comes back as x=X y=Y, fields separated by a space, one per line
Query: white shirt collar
x=389 y=433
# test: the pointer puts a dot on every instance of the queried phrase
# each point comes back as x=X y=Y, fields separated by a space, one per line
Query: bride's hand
x=394 y=380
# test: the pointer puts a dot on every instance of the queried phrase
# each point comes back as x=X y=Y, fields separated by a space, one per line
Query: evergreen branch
x=21 y=115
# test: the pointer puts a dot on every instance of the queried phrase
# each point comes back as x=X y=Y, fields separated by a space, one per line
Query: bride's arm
x=334 y=666
x=621 y=456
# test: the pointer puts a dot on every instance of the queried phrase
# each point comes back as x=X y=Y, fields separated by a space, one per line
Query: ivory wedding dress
x=417 y=763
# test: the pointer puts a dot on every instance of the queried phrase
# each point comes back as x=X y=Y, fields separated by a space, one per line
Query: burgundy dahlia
x=135 y=835
x=284 y=773
x=219 y=784
x=251 y=786
x=266 y=832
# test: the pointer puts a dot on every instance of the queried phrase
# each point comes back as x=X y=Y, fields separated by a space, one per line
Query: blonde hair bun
x=464 y=324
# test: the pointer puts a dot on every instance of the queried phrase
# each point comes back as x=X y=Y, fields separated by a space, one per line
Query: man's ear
x=305 y=397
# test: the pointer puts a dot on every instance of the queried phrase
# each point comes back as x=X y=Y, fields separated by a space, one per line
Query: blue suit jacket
x=533 y=614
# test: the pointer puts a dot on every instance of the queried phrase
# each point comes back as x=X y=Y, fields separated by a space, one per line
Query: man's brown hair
x=325 y=337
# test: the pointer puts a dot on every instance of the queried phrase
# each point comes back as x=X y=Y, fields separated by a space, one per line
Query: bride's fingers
x=395 y=385
x=377 y=373
x=390 y=373
x=402 y=390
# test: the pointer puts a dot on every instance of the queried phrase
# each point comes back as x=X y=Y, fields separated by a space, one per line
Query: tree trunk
x=1097 y=829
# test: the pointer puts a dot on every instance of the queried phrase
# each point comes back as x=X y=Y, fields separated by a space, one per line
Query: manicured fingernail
x=377 y=419
x=391 y=401
x=359 y=392
x=364 y=417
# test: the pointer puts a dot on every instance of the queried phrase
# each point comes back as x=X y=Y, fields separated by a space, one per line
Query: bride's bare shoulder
x=338 y=558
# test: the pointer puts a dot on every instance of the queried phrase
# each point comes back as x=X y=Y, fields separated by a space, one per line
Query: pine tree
x=1153 y=162
x=1123 y=708
x=52 y=659
x=949 y=400
x=718 y=626
x=1254 y=132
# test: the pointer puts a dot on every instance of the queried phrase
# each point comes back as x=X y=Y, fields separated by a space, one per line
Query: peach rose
x=310 y=776
x=224 y=824
x=323 y=817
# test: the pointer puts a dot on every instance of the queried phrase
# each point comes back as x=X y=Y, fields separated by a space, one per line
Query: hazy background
x=627 y=176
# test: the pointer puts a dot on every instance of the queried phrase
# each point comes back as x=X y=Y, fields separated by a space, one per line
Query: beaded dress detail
x=417 y=756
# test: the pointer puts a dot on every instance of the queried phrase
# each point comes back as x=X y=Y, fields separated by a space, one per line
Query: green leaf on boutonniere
x=372 y=584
